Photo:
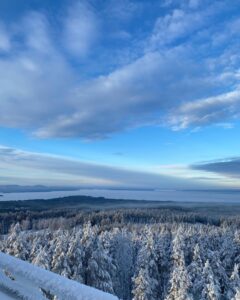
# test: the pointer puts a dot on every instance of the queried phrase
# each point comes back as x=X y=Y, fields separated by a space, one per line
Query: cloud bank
x=47 y=169
x=229 y=167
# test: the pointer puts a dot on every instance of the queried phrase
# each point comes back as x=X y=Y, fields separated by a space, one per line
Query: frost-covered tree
x=75 y=255
x=88 y=241
x=59 y=262
x=122 y=251
x=143 y=286
x=99 y=269
x=236 y=296
x=180 y=282
x=42 y=258
x=234 y=283
x=195 y=270
x=211 y=288
x=219 y=271
x=227 y=251
x=163 y=249
x=147 y=288
x=16 y=243
x=97 y=264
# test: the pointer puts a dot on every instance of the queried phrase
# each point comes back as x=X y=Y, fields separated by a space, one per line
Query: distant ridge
x=33 y=188
x=78 y=202
x=14 y=188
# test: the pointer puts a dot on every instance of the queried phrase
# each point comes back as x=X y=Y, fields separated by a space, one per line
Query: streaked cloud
x=5 y=43
x=35 y=168
x=81 y=29
x=229 y=167
x=218 y=109
x=172 y=78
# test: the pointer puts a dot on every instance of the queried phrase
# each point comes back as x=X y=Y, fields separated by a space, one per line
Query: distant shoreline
x=146 y=195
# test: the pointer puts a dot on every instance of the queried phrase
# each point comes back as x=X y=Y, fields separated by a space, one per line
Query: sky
x=120 y=93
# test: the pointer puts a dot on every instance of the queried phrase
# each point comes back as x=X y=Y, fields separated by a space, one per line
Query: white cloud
x=35 y=28
x=193 y=3
x=123 y=10
x=35 y=79
x=229 y=167
x=61 y=170
x=178 y=24
x=207 y=111
x=81 y=29
x=139 y=93
x=42 y=91
x=5 y=42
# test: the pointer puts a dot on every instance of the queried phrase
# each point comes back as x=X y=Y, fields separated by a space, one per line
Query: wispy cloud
x=123 y=10
x=81 y=29
x=134 y=95
x=229 y=167
x=5 y=43
x=178 y=81
x=207 y=111
x=48 y=169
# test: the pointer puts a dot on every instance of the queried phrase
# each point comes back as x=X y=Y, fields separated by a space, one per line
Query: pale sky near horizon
x=120 y=93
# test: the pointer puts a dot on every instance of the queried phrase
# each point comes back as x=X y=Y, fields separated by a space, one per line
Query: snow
x=29 y=279
x=4 y=296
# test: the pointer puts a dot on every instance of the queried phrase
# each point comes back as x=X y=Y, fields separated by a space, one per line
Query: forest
x=165 y=253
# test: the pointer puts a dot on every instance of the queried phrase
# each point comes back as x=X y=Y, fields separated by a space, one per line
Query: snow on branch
x=26 y=275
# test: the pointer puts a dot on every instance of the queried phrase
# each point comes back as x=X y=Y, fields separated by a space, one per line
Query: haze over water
x=158 y=195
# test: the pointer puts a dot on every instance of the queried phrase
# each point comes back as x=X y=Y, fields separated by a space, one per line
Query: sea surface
x=159 y=195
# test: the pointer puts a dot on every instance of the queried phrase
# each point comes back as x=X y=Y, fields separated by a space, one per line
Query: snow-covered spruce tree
x=122 y=252
x=180 y=282
x=219 y=271
x=97 y=264
x=237 y=246
x=211 y=288
x=143 y=286
x=59 y=262
x=164 y=249
x=41 y=240
x=99 y=269
x=236 y=296
x=42 y=258
x=228 y=250
x=234 y=283
x=105 y=239
x=75 y=254
x=148 y=287
x=88 y=242
x=16 y=243
x=37 y=245
x=195 y=270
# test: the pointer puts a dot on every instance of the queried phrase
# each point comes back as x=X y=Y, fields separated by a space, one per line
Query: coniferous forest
x=135 y=253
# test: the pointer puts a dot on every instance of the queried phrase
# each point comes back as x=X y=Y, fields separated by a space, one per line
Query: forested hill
x=76 y=210
x=81 y=202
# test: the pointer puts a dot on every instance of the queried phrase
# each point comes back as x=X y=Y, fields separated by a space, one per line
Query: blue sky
x=120 y=93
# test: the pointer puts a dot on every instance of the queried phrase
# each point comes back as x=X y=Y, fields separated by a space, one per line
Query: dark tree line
x=69 y=218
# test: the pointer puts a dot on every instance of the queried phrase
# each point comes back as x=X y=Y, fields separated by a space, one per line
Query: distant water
x=159 y=195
